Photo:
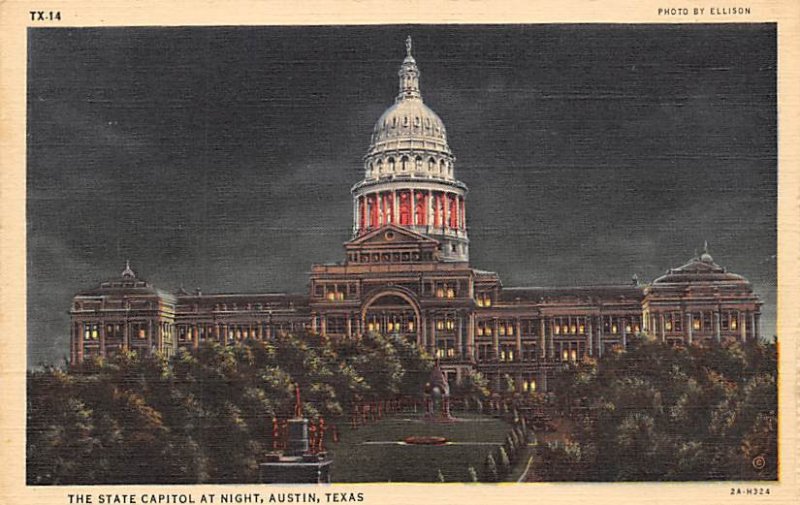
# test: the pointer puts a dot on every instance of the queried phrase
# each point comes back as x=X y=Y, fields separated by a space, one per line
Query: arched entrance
x=392 y=312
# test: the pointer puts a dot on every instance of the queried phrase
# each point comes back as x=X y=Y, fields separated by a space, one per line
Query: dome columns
x=428 y=211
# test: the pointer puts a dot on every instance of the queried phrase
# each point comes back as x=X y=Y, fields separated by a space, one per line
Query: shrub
x=504 y=465
x=490 y=473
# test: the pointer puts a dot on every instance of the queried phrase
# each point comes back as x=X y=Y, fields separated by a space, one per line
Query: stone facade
x=407 y=271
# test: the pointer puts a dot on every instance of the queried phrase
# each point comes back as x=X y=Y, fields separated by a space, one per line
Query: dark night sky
x=222 y=158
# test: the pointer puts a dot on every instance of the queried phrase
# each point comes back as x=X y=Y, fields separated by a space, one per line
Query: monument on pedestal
x=297 y=464
x=437 y=396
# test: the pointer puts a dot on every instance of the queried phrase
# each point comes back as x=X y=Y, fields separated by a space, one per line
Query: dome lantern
x=409 y=76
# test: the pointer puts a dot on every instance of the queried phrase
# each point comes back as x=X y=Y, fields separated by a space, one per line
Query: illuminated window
x=734 y=323
x=370 y=326
x=581 y=329
x=451 y=352
x=390 y=326
x=614 y=329
x=557 y=330
x=565 y=329
x=142 y=333
x=667 y=325
x=480 y=330
x=340 y=295
x=488 y=331
x=451 y=293
x=574 y=355
x=439 y=325
x=439 y=293
x=501 y=330
x=564 y=355
x=628 y=328
x=696 y=324
x=331 y=296
x=411 y=326
x=510 y=355
x=510 y=330
x=450 y=324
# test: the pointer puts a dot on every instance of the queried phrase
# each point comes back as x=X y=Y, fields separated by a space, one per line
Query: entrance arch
x=392 y=311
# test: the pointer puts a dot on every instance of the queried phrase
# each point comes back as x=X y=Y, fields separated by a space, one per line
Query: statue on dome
x=408 y=45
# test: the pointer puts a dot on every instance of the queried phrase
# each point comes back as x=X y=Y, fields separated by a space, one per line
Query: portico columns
x=662 y=330
x=103 y=338
x=496 y=338
x=757 y=330
x=600 y=337
x=518 y=329
x=624 y=323
x=542 y=344
x=460 y=335
x=551 y=346
x=742 y=326
x=717 y=327
x=471 y=336
x=589 y=331
x=432 y=335
x=689 y=327
x=752 y=325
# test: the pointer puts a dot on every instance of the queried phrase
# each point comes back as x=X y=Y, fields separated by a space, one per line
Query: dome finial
x=409 y=76
x=128 y=273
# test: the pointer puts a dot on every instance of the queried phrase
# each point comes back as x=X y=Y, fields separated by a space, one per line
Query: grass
x=355 y=461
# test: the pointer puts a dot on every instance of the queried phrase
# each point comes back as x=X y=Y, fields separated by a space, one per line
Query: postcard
x=367 y=252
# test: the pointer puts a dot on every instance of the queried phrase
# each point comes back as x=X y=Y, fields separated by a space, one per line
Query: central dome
x=408 y=173
x=409 y=123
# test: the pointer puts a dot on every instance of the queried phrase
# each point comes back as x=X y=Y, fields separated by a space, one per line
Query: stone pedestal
x=298 y=437
x=309 y=469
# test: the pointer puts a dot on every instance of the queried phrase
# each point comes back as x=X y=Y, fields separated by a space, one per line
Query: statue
x=408 y=46
x=438 y=388
x=298 y=406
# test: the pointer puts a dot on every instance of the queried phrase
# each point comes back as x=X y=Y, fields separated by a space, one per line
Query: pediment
x=391 y=235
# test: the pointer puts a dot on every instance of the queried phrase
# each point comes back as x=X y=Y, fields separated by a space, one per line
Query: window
x=91 y=331
x=451 y=293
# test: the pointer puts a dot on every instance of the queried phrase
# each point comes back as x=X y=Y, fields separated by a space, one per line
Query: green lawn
x=355 y=461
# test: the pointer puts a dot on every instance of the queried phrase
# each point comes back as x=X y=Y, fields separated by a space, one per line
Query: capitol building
x=406 y=270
